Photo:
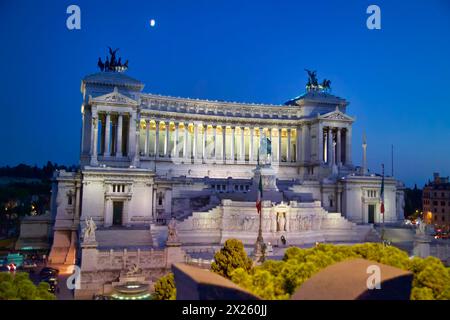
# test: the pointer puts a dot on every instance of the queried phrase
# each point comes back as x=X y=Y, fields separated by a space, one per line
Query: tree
x=20 y=287
x=280 y=279
x=165 y=288
x=231 y=257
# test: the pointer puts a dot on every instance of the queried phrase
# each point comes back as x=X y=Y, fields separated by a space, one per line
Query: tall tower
x=364 y=162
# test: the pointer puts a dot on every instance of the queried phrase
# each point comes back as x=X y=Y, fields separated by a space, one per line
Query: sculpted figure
x=89 y=230
x=281 y=222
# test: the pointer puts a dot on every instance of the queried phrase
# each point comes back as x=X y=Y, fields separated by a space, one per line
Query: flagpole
x=382 y=202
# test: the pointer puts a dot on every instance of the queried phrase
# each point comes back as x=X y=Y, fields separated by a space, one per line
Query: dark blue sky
x=396 y=79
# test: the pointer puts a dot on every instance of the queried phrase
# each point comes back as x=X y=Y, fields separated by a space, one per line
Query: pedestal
x=174 y=253
x=422 y=246
x=89 y=254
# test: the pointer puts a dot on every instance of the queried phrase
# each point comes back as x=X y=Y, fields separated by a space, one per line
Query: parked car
x=48 y=272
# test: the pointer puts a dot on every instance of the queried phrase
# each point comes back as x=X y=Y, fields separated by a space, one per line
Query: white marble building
x=146 y=158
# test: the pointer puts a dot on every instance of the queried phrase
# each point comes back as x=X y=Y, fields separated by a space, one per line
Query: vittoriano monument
x=162 y=174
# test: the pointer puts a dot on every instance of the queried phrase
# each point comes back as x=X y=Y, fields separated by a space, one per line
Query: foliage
x=20 y=287
x=165 y=288
x=231 y=257
x=280 y=279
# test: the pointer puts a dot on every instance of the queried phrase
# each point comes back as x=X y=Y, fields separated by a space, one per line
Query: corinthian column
x=147 y=138
x=94 y=160
x=232 y=144
x=338 y=139
x=250 y=151
x=330 y=146
x=288 y=149
x=175 y=143
x=156 y=138
x=224 y=143
x=242 y=146
x=119 y=153
x=194 y=144
x=107 y=151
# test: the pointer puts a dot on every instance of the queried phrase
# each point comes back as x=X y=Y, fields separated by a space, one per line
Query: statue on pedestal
x=281 y=222
x=172 y=232
x=89 y=230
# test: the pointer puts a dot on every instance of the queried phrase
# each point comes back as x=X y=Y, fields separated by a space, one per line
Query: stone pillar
x=339 y=148
x=280 y=153
x=329 y=146
x=215 y=142
x=321 y=144
x=242 y=146
x=108 y=218
x=204 y=141
x=338 y=202
x=232 y=144
x=166 y=139
x=133 y=137
x=175 y=143
x=185 y=140
x=348 y=146
x=224 y=143
x=119 y=151
x=94 y=160
x=258 y=142
x=107 y=150
x=288 y=149
x=194 y=144
x=250 y=153
x=157 y=139
x=147 y=138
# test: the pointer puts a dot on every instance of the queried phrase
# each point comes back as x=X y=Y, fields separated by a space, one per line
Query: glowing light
x=152 y=23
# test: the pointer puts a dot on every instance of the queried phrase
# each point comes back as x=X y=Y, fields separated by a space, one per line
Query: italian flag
x=259 y=196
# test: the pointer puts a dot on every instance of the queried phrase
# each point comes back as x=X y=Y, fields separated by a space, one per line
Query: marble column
x=348 y=146
x=147 y=138
x=329 y=146
x=108 y=217
x=224 y=143
x=258 y=142
x=119 y=151
x=133 y=137
x=107 y=150
x=242 y=146
x=338 y=140
x=185 y=140
x=157 y=139
x=166 y=139
x=205 y=128
x=194 y=144
x=321 y=138
x=175 y=143
x=288 y=148
x=94 y=160
x=215 y=142
x=250 y=151
x=280 y=153
x=232 y=144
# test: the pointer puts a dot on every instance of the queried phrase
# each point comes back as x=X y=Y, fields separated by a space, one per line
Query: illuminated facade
x=147 y=158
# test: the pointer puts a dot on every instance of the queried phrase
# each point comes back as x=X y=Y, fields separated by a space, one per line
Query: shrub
x=231 y=257
x=20 y=287
x=165 y=288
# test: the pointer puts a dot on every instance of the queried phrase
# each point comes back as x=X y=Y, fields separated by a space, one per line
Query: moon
x=152 y=23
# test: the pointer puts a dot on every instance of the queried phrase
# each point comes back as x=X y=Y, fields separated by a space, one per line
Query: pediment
x=336 y=115
x=114 y=97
